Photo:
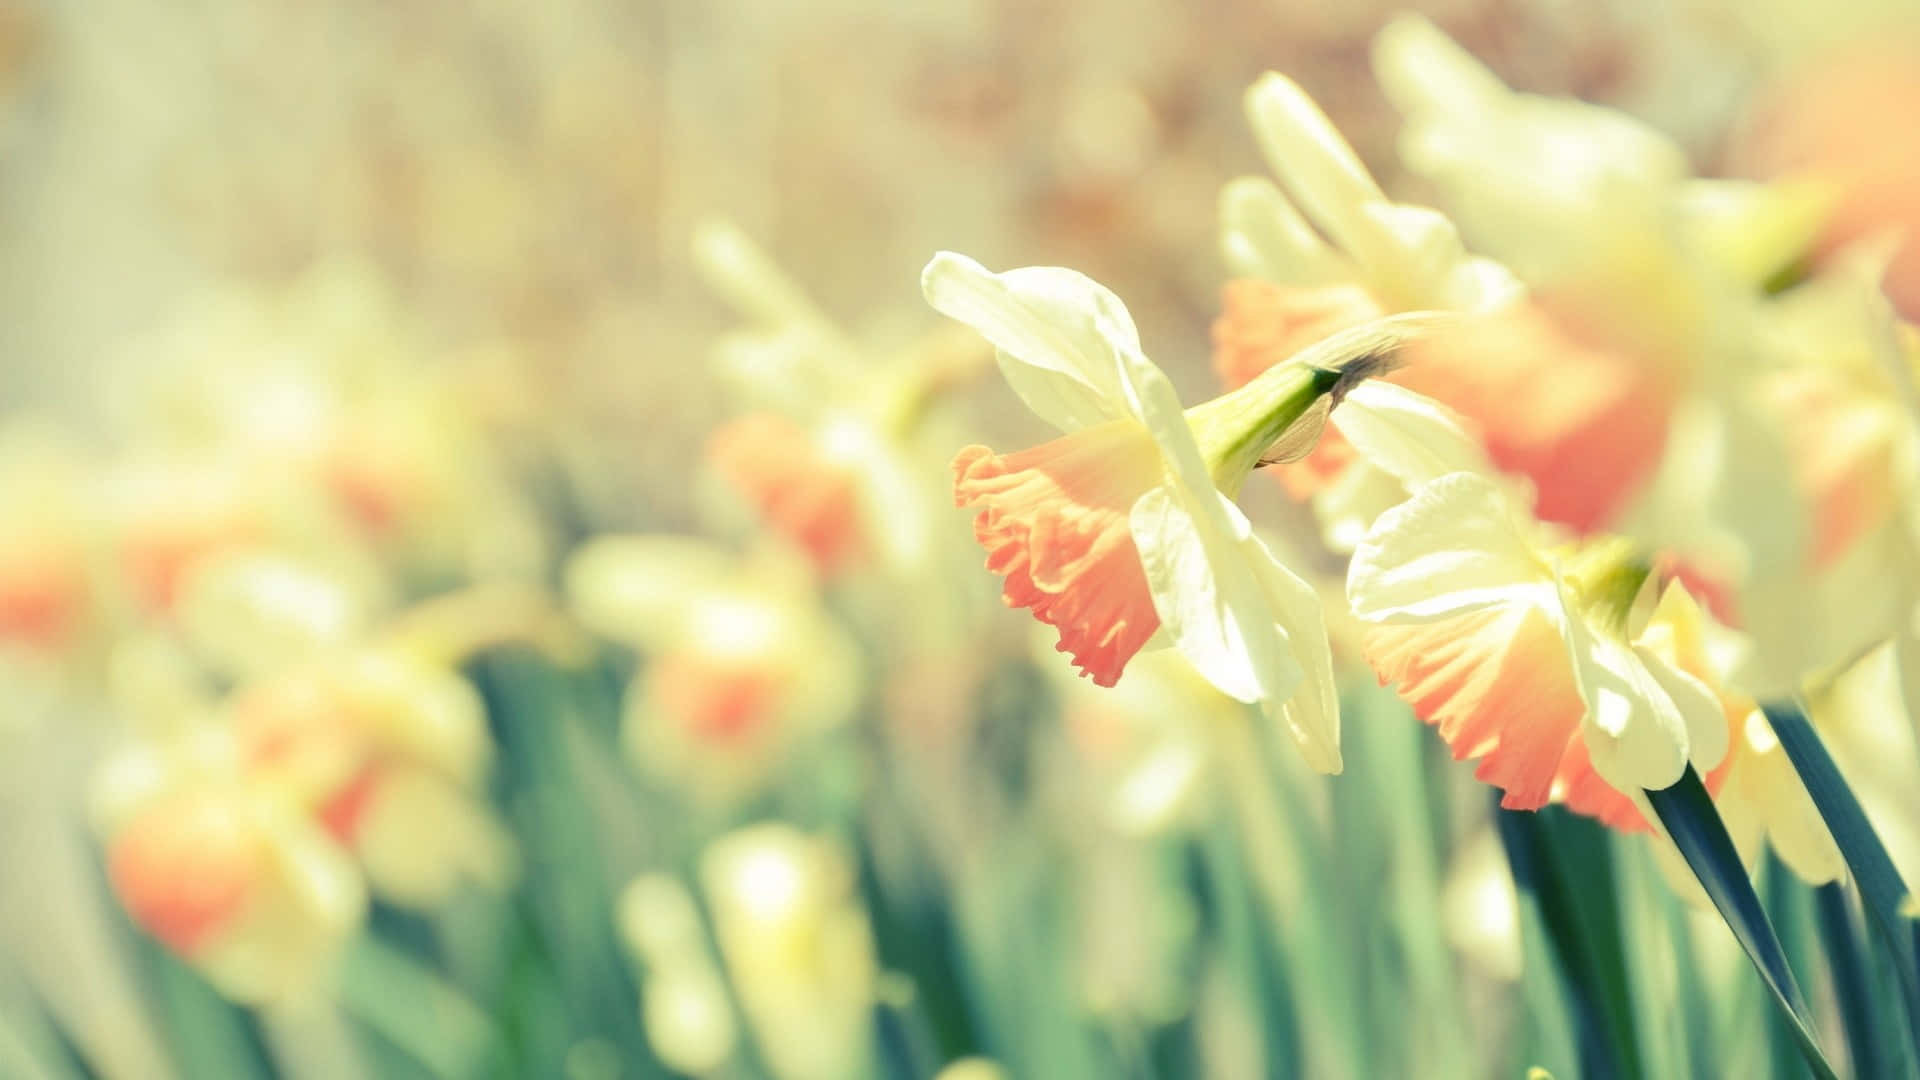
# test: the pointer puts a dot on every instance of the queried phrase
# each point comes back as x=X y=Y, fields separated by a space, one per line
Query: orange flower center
x=1499 y=686
x=800 y=493
x=1054 y=522
x=41 y=593
x=185 y=866
x=716 y=700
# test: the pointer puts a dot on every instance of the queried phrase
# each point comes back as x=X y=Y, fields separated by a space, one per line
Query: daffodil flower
x=222 y=868
x=1321 y=251
x=1123 y=529
x=743 y=664
x=1519 y=647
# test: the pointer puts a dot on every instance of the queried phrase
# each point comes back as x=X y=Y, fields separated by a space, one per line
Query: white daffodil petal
x=1453 y=547
x=1635 y=733
x=1413 y=437
x=1311 y=712
x=1426 y=249
x=1263 y=236
x=1316 y=166
x=1151 y=400
x=1222 y=627
x=1349 y=506
x=640 y=588
x=1423 y=72
x=1479 y=285
x=1792 y=820
x=1057 y=332
x=1700 y=711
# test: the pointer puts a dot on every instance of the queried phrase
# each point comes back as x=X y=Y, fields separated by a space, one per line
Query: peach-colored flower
x=355 y=741
x=185 y=866
x=300 y=732
x=222 y=869
x=379 y=481
x=720 y=699
x=178 y=520
x=797 y=489
x=1515 y=646
x=742 y=665
x=43 y=590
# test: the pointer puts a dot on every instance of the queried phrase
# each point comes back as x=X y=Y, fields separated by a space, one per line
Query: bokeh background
x=339 y=337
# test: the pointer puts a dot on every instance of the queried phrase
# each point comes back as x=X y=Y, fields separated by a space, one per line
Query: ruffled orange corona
x=1499 y=687
x=1055 y=523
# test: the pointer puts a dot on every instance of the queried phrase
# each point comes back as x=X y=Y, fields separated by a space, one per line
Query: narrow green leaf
x=904 y=1039
x=1566 y=864
x=417 y=1010
x=1787 y=904
x=1882 y=892
x=1852 y=988
x=1689 y=815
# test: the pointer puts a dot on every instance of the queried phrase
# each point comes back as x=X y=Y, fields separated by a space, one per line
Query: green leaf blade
x=1691 y=820
x=1882 y=892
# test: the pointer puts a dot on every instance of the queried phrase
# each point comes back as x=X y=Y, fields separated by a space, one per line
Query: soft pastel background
x=406 y=301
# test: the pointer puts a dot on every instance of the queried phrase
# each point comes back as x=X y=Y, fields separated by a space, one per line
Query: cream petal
x=1317 y=167
x=1480 y=285
x=1411 y=436
x=1263 y=236
x=1455 y=546
x=1793 y=822
x=1059 y=334
x=1635 y=734
x=1207 y=598
x=1208 y=574
x=1426 y=248
x=1701 y=714
x=1312 y=712
x=637 y=588
x=1151 y=400
x=1348 y=507
x=1422 y=71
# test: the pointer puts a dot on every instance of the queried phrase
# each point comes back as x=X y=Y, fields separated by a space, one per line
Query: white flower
x=1120 y=529
x=1509 y=640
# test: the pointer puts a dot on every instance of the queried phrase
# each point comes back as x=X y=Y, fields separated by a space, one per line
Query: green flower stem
x=1287 y=403
x=1235 y=430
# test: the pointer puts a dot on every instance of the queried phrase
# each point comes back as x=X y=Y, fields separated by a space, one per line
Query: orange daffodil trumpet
x=1528 y=652
x=1123 y=532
